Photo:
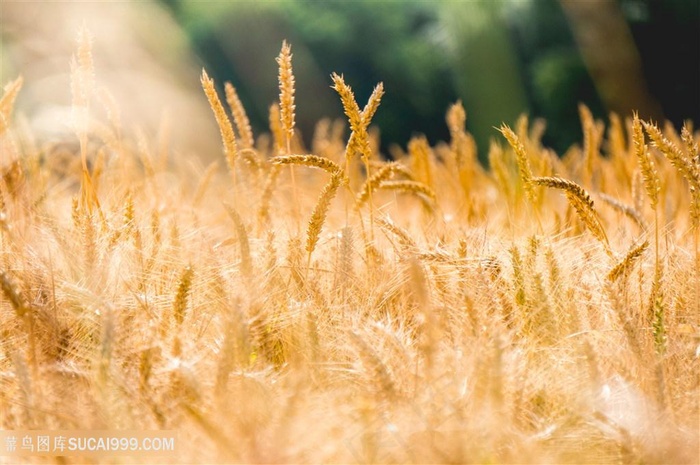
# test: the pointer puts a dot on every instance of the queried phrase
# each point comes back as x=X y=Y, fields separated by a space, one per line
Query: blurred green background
x=500 y=57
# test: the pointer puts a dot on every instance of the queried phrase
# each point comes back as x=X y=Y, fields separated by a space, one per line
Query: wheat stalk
x=204 y=182
x=276 y=128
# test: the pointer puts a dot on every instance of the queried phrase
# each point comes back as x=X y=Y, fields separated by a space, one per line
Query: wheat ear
x=646 y=164
x=318 y=217
x=286 y=85
x=414 y=187
x=675 y=155
x=352 y=111
x=419 y=153
x=13 y=294
x=691 y=144
x=456 y=119
x=246 y=261
x=651 y=181
x=224 y=123
x=386 y=171
x=286 y=109
x=590 y=142
x=627 y=210
x=270 y=182
x=624 y=266
x=404 y=238
x=314 y=161
x=581 y=201
x=359 y=121
x=183 y=291
x=239 y=116
x=521 y=159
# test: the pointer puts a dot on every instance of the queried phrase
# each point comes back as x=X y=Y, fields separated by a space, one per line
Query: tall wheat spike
x=652 y=185
x=239 y=116
x=352 y=111
x=522 y=160
x=590 y=142
x=685 y=165
x=227 y=135
x=286 y=83
x=682 y=162
x=359 y=122
x=649 y=173
x=286 y=109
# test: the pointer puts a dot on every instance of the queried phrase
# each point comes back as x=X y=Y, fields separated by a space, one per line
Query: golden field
x=292 y=304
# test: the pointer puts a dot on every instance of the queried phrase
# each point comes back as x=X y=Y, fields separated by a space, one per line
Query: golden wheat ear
x=240 y=117
x=582 y=202
x=224 y=123
x=318 y=217
x=286 y=84
x=624 y=266
x=521 y=159
x=652 y=184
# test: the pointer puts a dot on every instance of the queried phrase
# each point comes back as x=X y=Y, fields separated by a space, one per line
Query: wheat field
x=293 y=304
